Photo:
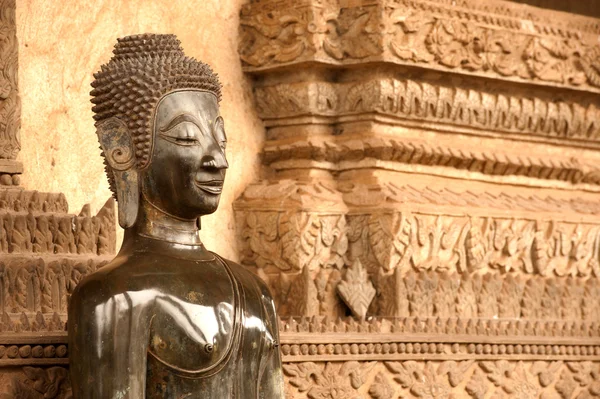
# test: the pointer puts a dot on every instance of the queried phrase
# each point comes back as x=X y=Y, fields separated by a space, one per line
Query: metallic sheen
x=167 y=318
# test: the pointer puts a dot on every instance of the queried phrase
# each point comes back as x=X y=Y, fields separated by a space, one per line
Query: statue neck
x=153 y=222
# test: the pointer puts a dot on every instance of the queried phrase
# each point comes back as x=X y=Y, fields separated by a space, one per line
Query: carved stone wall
x=10 y=102
x=430 y=221
x=429 y=218
x=44 y=252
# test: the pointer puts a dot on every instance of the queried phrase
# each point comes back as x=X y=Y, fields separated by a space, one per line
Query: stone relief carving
x=457 y=141
x=482 y=293
x=385 y=238
x=356 y=290
x=59 y=234
x=313 y=239
x=38 y=383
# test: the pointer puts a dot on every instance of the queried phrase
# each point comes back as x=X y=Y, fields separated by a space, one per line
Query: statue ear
x=117 y=146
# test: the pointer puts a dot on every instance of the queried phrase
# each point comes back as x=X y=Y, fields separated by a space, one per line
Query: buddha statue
x=167 y=318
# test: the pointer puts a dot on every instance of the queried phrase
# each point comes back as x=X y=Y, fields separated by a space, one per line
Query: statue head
x=159 y=127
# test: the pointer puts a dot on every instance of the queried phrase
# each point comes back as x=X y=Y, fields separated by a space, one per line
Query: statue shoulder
x=99 y=286
x=246 y=277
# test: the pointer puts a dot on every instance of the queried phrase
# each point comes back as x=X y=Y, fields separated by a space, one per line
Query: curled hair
x=143 y=69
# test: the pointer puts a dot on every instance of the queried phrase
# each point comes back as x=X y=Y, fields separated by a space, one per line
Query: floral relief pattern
x=445 y=380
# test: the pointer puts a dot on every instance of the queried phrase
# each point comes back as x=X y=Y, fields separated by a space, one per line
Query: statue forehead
x=195 y=102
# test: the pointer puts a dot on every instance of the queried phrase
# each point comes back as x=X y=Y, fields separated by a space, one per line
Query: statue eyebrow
x=180 y=119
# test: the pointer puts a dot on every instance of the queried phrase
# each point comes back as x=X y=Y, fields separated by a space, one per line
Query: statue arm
x=271 y=386
x=107 y=348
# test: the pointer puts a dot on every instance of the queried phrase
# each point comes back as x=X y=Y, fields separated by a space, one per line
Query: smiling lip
x=211 y=186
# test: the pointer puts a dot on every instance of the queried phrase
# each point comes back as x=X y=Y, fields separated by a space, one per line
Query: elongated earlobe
x=128 y=197
x=116 y=143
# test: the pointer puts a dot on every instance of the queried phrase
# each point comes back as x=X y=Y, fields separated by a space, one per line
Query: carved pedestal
x=430 y=222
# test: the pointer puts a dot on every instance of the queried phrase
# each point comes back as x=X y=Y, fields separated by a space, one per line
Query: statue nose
x=215 y=161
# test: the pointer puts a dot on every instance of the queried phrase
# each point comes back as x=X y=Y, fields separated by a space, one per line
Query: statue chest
x=183 y=362
x=196 y=327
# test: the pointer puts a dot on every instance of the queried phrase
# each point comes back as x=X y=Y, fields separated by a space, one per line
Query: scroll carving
x=449 y=379
x=10 y=102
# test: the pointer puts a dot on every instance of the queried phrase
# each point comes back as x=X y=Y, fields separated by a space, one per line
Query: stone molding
x=397 y=153
x=448 y=105
x=359 y=360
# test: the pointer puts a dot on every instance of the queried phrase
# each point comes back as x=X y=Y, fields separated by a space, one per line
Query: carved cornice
x=337 y=126
x=350 y=152
x=457 y=106
x=288 y=194
x=387 y=195
x=496 y=42
x=546 y=21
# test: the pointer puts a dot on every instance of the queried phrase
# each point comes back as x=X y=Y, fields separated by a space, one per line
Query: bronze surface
x=167 y=318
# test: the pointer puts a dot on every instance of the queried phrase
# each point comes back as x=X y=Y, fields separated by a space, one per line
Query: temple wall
x=59 y=49
x=427 y=212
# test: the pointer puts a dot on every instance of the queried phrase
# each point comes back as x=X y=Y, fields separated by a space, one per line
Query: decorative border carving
x=389 y=227
x=570 y=118
x=33 y=354
x=448 y=379
x=382 y=366
x=470 y=233
x=545 y=21
x=343 y=153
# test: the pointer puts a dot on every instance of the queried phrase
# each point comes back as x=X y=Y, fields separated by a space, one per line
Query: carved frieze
x=310 y=215
x=395 y=230
x=392 y=227
x=439 y=35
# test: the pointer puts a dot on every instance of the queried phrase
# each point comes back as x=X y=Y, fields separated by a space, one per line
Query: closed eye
x=184 y=133
x=186 y=139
